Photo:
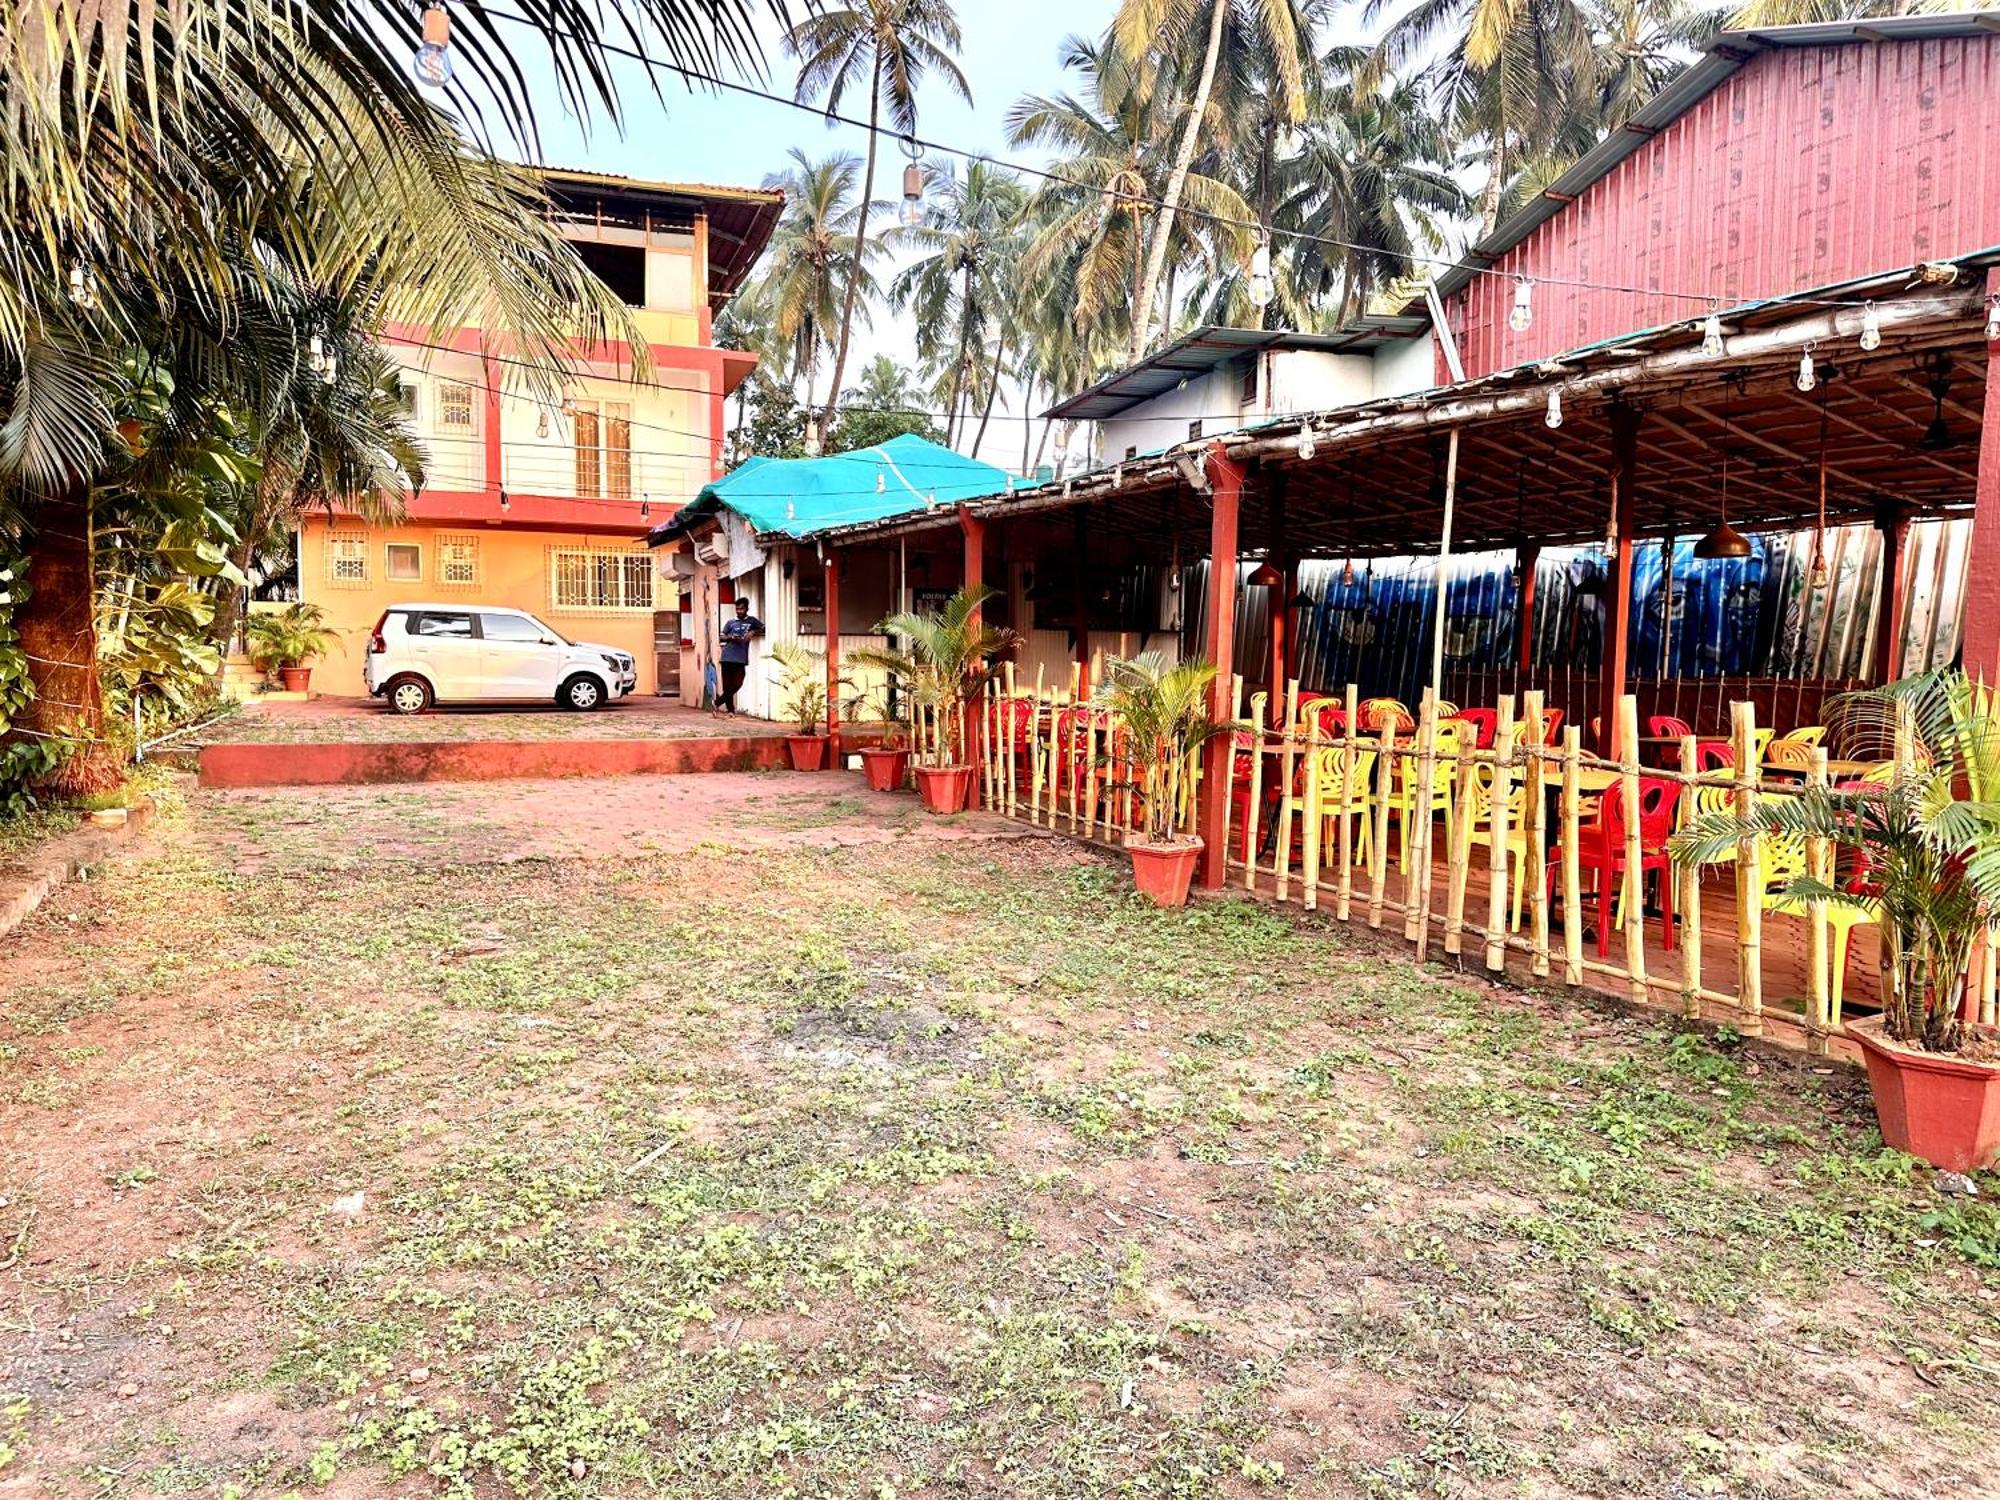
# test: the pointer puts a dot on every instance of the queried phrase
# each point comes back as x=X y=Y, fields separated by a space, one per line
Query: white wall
x=1406 y=365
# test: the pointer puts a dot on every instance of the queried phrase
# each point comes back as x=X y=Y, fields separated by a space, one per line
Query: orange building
x=544 y=506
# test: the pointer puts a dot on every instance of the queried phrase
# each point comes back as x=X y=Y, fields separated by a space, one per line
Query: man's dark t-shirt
x=736 y=639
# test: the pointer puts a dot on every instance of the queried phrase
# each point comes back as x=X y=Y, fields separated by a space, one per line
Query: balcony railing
x=604 y=473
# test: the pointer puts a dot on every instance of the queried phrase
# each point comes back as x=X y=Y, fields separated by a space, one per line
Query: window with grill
x=458 y=561
x=582 y=580
x=347 y=558
x=457 y=413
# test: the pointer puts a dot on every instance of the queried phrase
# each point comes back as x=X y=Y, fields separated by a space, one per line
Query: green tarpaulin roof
x=799 y=496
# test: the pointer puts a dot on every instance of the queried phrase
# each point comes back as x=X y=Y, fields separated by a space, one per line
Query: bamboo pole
x=1988 y=1013
x=1309 y=875
x=1536 y=868
x=1820 y=1018
x=1690 y=904
x=1350 y=745
x=1635 y=875
x=1749 y=874
x=1288 y=764
x=1385 y=759
x=1035 y=750
x=1467 y=792
x=1229 y=798
x=1572 y=884
x=989 y=705
x=1088 y=770
x=1253 y=812
x=1497 y=829
x=1417 y=889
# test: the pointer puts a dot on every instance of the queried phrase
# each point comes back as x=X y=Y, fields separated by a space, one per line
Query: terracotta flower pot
x=1163 y=872
x=944 y=788
x=808 y=751
x=1931 y=1104
x=884 y=766
x=295 y=679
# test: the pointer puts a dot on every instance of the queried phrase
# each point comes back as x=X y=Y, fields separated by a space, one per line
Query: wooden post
x=1350 y=747
x=1225 y=477
x=1385 y=758
x=830 y=566
x=1013 y=741
x=1229 y=739
x=1088 y=770
x=1035 y=752
x=1820 y=1017
x=972 y=536
x=1288 y=765
x=1690 y=904
x=1981 y=628
x=1749 y=874
x=1314 y=812
x=1893 y=522
x=1254 y=812
x=1535 y=869
x=1080 y=585
x=1572 y=883
x=1618 y=596
x=1627 y=739
x=1465 y=787
x=1497 y=830
x=1280 y=601
x=1417 y=889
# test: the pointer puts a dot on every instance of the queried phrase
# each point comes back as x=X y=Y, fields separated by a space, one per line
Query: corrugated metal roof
x=1204 y=349
x=740 y=219
x=1730 y=51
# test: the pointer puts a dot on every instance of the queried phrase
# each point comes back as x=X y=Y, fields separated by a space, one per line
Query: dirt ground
x=758 y=1135
x=366 y=721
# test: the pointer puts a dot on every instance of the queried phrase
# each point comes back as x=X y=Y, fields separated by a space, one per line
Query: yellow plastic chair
x=1789 y=754
x=1360 y=798
x=1810 y=734
x=1409 y=774
x=1784 y=860
x=1374 y=710
x=1517 y=831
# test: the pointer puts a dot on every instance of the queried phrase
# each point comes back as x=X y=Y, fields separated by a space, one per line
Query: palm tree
x=816 y=251
x=958 y=287
x=893 y=43
x=1141 y=26
x=1084 y=257
x=942 y=666
x=884 y=386
x=1642 y=45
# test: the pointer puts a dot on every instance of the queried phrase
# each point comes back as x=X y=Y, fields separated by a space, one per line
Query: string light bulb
x=1871 y=328
x=433 y=61
x=1347 y=574
x=881 y=483
x=1711 y=335
x=82 y=285
x=1820 y=578
x=812 y=437
x=542 y=423
x=504 y=503
x=1993 y=318
x=1307 y=445
x=1523 y=312
x=1807 y=378
x=1553 y=417
x=912 y=211
x=1260 y=287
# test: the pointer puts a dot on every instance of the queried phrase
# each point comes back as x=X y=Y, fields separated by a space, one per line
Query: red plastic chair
x=1327 y=717
x=1485 y=723
x=1667 y=725
x=1714 y=755
x=1552 y=723
x=1601 y=851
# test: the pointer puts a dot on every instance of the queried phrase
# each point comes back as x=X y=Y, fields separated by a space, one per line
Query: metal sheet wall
x=1806 y=167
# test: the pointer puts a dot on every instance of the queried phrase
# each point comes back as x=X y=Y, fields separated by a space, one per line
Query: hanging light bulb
x=503 y=501
x=1307 y=446
x=1523 y=312
x=82 y=285
x=1871 y=328
x=1347 y=574
x=1819 y=574
x=1993 y=318
x=812 y=437
x=316 y=352
x=881 y=483
x=542 y=423
x=1711 y=335
x=1260 y=286
x=1553 y=417
x=433 y=60
x=912 y=211
x=1807 y=379
x=329 y=370
x=645 y=509
x=1118 y=478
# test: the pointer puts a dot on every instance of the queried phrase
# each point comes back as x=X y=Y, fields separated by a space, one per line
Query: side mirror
x=548 y=640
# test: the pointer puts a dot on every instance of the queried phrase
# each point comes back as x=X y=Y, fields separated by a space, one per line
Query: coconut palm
x=1171 y=27
x=815 y=253
x=891 y=44
x=958 y=288
x=884 y=386
x=1165 y=715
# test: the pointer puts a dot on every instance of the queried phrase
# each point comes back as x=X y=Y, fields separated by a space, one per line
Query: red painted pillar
x=490 y=373
x=1526 y=556
x=1894 y=524
x=1981 y=634
x=832 y=569
x=1080 y=597
x=972 y=536
x=1280 y=602
x=1618 y=593
x=1225 y=478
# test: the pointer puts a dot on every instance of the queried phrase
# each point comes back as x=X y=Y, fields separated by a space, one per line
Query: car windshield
x=548 y=630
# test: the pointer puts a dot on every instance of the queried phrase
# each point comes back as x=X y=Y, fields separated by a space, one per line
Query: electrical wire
x=830 y=116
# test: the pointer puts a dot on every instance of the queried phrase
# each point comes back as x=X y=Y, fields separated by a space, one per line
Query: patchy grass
x=934 y=1164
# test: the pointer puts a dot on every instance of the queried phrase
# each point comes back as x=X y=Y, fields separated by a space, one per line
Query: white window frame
x=389 y=574
x=447 y=393
x=600 y=581
x=453 y=549
x=347 y=559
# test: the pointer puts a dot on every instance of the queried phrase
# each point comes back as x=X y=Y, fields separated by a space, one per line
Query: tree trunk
x=1027 y=426
x=1489 y=196
x=1163 y=227
x=1266 y=150
x=992 y=390
x=958 y=364
x=58 y=631
x=860 y=244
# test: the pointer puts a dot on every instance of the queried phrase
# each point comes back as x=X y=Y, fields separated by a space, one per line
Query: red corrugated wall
x=1807 y=166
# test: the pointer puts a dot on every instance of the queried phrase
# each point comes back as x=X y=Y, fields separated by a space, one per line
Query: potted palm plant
x=283 y=641
x=1921 y=856
x=942 y=668
x=1165 y=717
x=802 y=699
x=887 y=762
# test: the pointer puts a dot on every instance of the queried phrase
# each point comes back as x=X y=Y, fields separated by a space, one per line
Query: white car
x=421 y=654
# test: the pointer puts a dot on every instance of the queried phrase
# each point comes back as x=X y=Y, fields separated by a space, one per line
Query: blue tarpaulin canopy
x=797 y=497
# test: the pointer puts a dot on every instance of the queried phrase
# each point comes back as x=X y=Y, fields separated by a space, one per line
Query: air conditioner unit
x=708 y=552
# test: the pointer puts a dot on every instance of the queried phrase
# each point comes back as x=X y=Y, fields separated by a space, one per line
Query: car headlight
x=609 y=660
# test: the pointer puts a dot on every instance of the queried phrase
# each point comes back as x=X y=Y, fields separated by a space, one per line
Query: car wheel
x=409 y=695
x=582 y=693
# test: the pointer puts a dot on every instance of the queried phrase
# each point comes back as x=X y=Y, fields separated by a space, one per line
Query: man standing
x=736 y=638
